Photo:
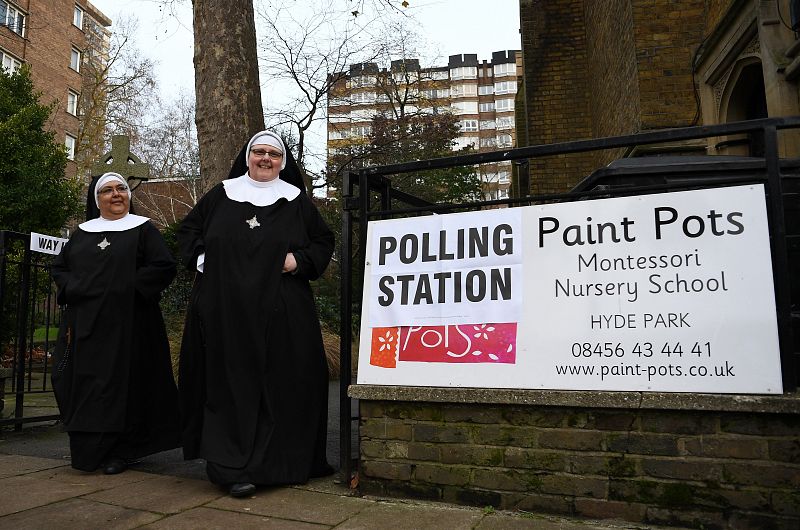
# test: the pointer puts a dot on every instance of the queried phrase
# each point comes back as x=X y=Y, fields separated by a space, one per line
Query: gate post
x=22 y=317
x=345 y=329
x=780 y=261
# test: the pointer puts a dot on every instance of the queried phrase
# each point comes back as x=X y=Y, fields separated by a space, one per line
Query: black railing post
x=345 y=328
x=780 y=260
x=22 y=313
x=3 y=243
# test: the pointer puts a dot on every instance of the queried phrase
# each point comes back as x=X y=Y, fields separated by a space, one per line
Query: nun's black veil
x=291 y=173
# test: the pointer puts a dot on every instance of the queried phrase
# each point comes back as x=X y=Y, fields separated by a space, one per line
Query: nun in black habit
x=253 y=374
x=112 y=373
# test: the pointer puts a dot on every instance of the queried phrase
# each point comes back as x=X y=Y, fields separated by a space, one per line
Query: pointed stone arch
x=743 y=98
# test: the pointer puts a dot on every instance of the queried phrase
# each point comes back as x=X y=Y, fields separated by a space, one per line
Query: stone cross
x=121 y=160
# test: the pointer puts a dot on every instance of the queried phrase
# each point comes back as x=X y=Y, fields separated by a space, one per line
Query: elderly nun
x=253 y=374
x=112 y=373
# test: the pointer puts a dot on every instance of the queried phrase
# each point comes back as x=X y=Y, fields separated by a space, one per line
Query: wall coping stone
x=777 y=404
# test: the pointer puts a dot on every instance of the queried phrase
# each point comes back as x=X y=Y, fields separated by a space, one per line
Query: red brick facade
x=46 y=45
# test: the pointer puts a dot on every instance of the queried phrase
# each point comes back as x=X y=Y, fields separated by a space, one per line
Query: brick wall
x=557 y=91
x=596 y=69
x=47 y=47
x=612 y=67
x=715 y=10
x=667 y=35
x=709 y=469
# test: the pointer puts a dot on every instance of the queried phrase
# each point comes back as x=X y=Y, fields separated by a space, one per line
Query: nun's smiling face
x=264 y=162
x=112 y=200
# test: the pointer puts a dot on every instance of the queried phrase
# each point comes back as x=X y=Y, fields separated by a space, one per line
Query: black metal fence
x=29 y=318
x=368 y=195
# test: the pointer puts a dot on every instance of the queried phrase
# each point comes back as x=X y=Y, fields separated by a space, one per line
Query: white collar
x=257 y=193
x=101 y=224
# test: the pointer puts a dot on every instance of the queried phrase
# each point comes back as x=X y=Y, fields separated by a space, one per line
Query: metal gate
x=29 y=318
x=368 y=195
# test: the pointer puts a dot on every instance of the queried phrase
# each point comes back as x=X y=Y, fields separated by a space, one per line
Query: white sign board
x=47 y=244
x=670 y=292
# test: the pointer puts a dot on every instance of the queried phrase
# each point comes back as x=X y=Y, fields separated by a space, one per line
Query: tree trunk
x=226 y=82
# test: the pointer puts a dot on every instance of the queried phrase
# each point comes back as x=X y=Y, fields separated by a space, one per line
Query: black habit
x=112 y=373
x=253 y=374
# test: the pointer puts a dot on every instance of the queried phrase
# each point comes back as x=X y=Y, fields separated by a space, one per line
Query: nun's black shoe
x=242 y=489
x=114 y=466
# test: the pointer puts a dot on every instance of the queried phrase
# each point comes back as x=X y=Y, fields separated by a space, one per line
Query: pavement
x=39 y=490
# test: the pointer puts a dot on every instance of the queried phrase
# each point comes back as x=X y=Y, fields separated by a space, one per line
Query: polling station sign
x=670 y=292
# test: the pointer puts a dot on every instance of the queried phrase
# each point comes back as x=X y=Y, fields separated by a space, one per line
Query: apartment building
x=480 y=93
x=56 y=38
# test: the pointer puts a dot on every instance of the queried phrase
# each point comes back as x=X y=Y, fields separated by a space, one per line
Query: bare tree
x=169 y=144
x=116 y=91
x=226 y=82
x=310 y=55
x=226 y=76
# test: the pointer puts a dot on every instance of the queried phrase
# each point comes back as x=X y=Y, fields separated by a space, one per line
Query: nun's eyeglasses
x=261 y=153
x=111 y=189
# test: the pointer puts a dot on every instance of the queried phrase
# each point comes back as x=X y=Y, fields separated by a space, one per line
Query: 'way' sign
x=47 y=244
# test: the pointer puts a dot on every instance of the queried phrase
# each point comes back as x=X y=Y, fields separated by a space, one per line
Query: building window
x=10 y=63
x=361 y=80
x=505 y=87
x=436 y=93
x=486 y=107
x=72 y=102
x=464 y=72
x=463 y=90
x=463 y=142
x=439 y=75
x=12 y=18
x=363 y=98
x=504 y=140
x=338 y=134
x=70 y=142
x=77 y=17
x=504 y=105
x=469 y=125
x=339 y=118
x=505 y=122
x=505 y=69
x=465 y=107
x=484 y=90
x=504 y=177
x=361 y=131
x=488 y=124
x=489 y=142
x=362 y=114
x=75 y=60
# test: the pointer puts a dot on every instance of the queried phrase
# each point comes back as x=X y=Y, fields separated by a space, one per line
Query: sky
x=449 y=27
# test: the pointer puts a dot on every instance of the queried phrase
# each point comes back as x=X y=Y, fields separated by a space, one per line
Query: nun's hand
x=289 y=264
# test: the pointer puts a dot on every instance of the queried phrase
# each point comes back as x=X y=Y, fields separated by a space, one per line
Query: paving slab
x=97 y=479
x=209 y=519
x=12 y=465
x=392 y=516
x=78 y=514
x=160 y=494
x=26 y=492
x=297 y=505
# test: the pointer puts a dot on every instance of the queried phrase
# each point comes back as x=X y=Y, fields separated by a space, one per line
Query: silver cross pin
x=253 y=222
x=103 y=244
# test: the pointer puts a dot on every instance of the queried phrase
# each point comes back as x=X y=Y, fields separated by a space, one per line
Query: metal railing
x=29 y=319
